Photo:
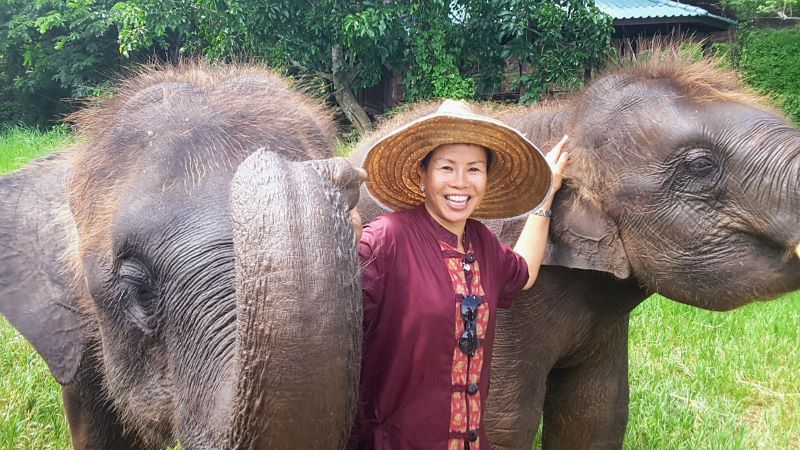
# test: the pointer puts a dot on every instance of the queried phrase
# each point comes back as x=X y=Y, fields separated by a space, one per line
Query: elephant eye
x=134 y=277
x=702 y=165
x=138 y=294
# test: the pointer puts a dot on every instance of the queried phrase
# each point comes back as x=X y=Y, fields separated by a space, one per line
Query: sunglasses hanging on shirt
x=468 y=342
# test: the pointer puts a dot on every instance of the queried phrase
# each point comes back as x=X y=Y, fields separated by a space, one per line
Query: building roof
x=652 y=11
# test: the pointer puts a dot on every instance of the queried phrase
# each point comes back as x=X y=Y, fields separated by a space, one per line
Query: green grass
x=20 y=145
x=706 y=380
x=699 y=380
x=31 y=413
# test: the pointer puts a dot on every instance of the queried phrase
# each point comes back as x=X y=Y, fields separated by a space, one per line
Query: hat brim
x=519 y=179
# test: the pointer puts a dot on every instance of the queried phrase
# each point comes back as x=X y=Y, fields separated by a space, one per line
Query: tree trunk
x=345 y=97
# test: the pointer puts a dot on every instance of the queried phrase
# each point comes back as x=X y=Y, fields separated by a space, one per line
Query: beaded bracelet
x=542 y=212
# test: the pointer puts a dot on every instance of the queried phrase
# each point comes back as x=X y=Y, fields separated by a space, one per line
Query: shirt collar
x=439 y=232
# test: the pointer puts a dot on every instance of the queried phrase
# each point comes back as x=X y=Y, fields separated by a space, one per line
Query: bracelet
x=542 y=212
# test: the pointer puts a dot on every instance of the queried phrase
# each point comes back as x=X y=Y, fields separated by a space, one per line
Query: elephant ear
x=581 y=236
x=34 y=288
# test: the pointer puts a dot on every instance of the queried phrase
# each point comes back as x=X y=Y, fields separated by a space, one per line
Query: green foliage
x=768 y=60
x=432 y=54
x=747 y=10
x=18 y=145
x=51 y=50
x=554 y=42
x=722 y=52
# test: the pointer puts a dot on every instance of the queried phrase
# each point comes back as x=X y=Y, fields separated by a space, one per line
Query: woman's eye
x=446 y=168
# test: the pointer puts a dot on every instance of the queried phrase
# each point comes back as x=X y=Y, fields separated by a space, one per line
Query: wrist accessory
x=542 y=212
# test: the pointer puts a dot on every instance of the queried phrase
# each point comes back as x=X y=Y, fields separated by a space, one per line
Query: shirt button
x=473 y=436
x=472 y=389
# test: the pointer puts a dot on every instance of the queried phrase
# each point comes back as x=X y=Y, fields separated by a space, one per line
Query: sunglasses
x=468 y=342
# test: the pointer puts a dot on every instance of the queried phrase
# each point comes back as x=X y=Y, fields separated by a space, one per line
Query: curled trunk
x=299 y=307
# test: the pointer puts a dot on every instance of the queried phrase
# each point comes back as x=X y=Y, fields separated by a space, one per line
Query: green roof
x=622 y=10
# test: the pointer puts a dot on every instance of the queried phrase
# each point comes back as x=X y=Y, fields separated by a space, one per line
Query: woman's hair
x=427 y=159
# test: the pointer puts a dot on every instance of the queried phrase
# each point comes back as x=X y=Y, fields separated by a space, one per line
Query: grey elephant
x=681 y=182
x=188 y=272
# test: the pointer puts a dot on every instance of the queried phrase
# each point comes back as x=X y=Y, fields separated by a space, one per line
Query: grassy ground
x=20 y=145
x=699 y=380
x=705 y=380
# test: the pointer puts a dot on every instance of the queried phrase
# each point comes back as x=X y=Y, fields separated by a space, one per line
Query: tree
x=346 y=43
x=52 y=49
x=747 y=10
x=442 y=48
x=554 y=42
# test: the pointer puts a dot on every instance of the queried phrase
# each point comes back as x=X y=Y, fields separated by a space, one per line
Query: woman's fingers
x=554 y=154
x=558 y=161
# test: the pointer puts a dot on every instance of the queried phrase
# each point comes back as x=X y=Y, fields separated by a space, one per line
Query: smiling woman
x=433 y=277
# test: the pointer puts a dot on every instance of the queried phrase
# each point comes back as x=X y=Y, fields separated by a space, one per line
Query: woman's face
x=455 y=183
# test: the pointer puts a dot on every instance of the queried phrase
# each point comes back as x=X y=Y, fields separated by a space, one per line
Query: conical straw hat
x=519 y=178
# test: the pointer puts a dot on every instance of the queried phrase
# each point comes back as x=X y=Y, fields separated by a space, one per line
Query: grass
x=699 y=379
x=20 y=145
x=706 y=380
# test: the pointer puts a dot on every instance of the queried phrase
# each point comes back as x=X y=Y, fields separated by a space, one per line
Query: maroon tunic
x=409 y=323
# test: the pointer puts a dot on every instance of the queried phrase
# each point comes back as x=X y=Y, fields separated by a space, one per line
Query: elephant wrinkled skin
x=680 y=182
x=188 y=272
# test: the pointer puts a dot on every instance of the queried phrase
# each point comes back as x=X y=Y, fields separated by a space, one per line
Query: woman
x=433 y=277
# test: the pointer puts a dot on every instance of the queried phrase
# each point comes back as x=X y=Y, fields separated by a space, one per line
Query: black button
x=473 y=436
x=470 y=258
x=472 y=389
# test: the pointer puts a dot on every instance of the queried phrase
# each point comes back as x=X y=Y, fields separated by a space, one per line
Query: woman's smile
x=458 y=202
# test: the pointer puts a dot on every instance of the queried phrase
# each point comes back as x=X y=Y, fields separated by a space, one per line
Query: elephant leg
x=586 y=406
x=93 y=422
x=513 y=412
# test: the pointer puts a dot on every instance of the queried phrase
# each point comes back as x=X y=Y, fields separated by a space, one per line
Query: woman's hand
x=558 y=161
x=532 y=240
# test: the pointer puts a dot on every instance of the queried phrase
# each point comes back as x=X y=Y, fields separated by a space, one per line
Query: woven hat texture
x=519 y=178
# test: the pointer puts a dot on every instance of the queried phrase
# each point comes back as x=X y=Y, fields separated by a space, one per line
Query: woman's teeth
x=457 y=199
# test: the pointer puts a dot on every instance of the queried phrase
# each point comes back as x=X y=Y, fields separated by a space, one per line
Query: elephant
x=188 y=270
x=680 y=182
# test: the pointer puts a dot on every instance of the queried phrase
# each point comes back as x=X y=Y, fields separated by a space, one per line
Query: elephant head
x=680 y=177
x=188 y=272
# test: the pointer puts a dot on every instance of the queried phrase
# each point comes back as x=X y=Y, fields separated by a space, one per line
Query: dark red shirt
x=409 y=323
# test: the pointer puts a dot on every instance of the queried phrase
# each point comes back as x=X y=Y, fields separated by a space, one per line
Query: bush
x=769 y=62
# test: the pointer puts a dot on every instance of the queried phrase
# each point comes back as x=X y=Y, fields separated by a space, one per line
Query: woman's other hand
x=557 y=158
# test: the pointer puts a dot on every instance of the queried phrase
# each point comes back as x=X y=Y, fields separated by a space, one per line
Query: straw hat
x=519 y=178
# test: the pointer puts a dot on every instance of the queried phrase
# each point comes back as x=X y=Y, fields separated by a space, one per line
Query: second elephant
x=680 y=182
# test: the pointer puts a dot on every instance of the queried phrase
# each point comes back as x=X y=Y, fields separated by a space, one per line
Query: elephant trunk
x=298 y=306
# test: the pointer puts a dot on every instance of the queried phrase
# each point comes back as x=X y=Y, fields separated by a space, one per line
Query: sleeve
x=371 y=251
x=515 y=270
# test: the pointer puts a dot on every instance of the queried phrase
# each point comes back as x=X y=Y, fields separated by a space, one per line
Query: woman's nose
x=459 y=178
